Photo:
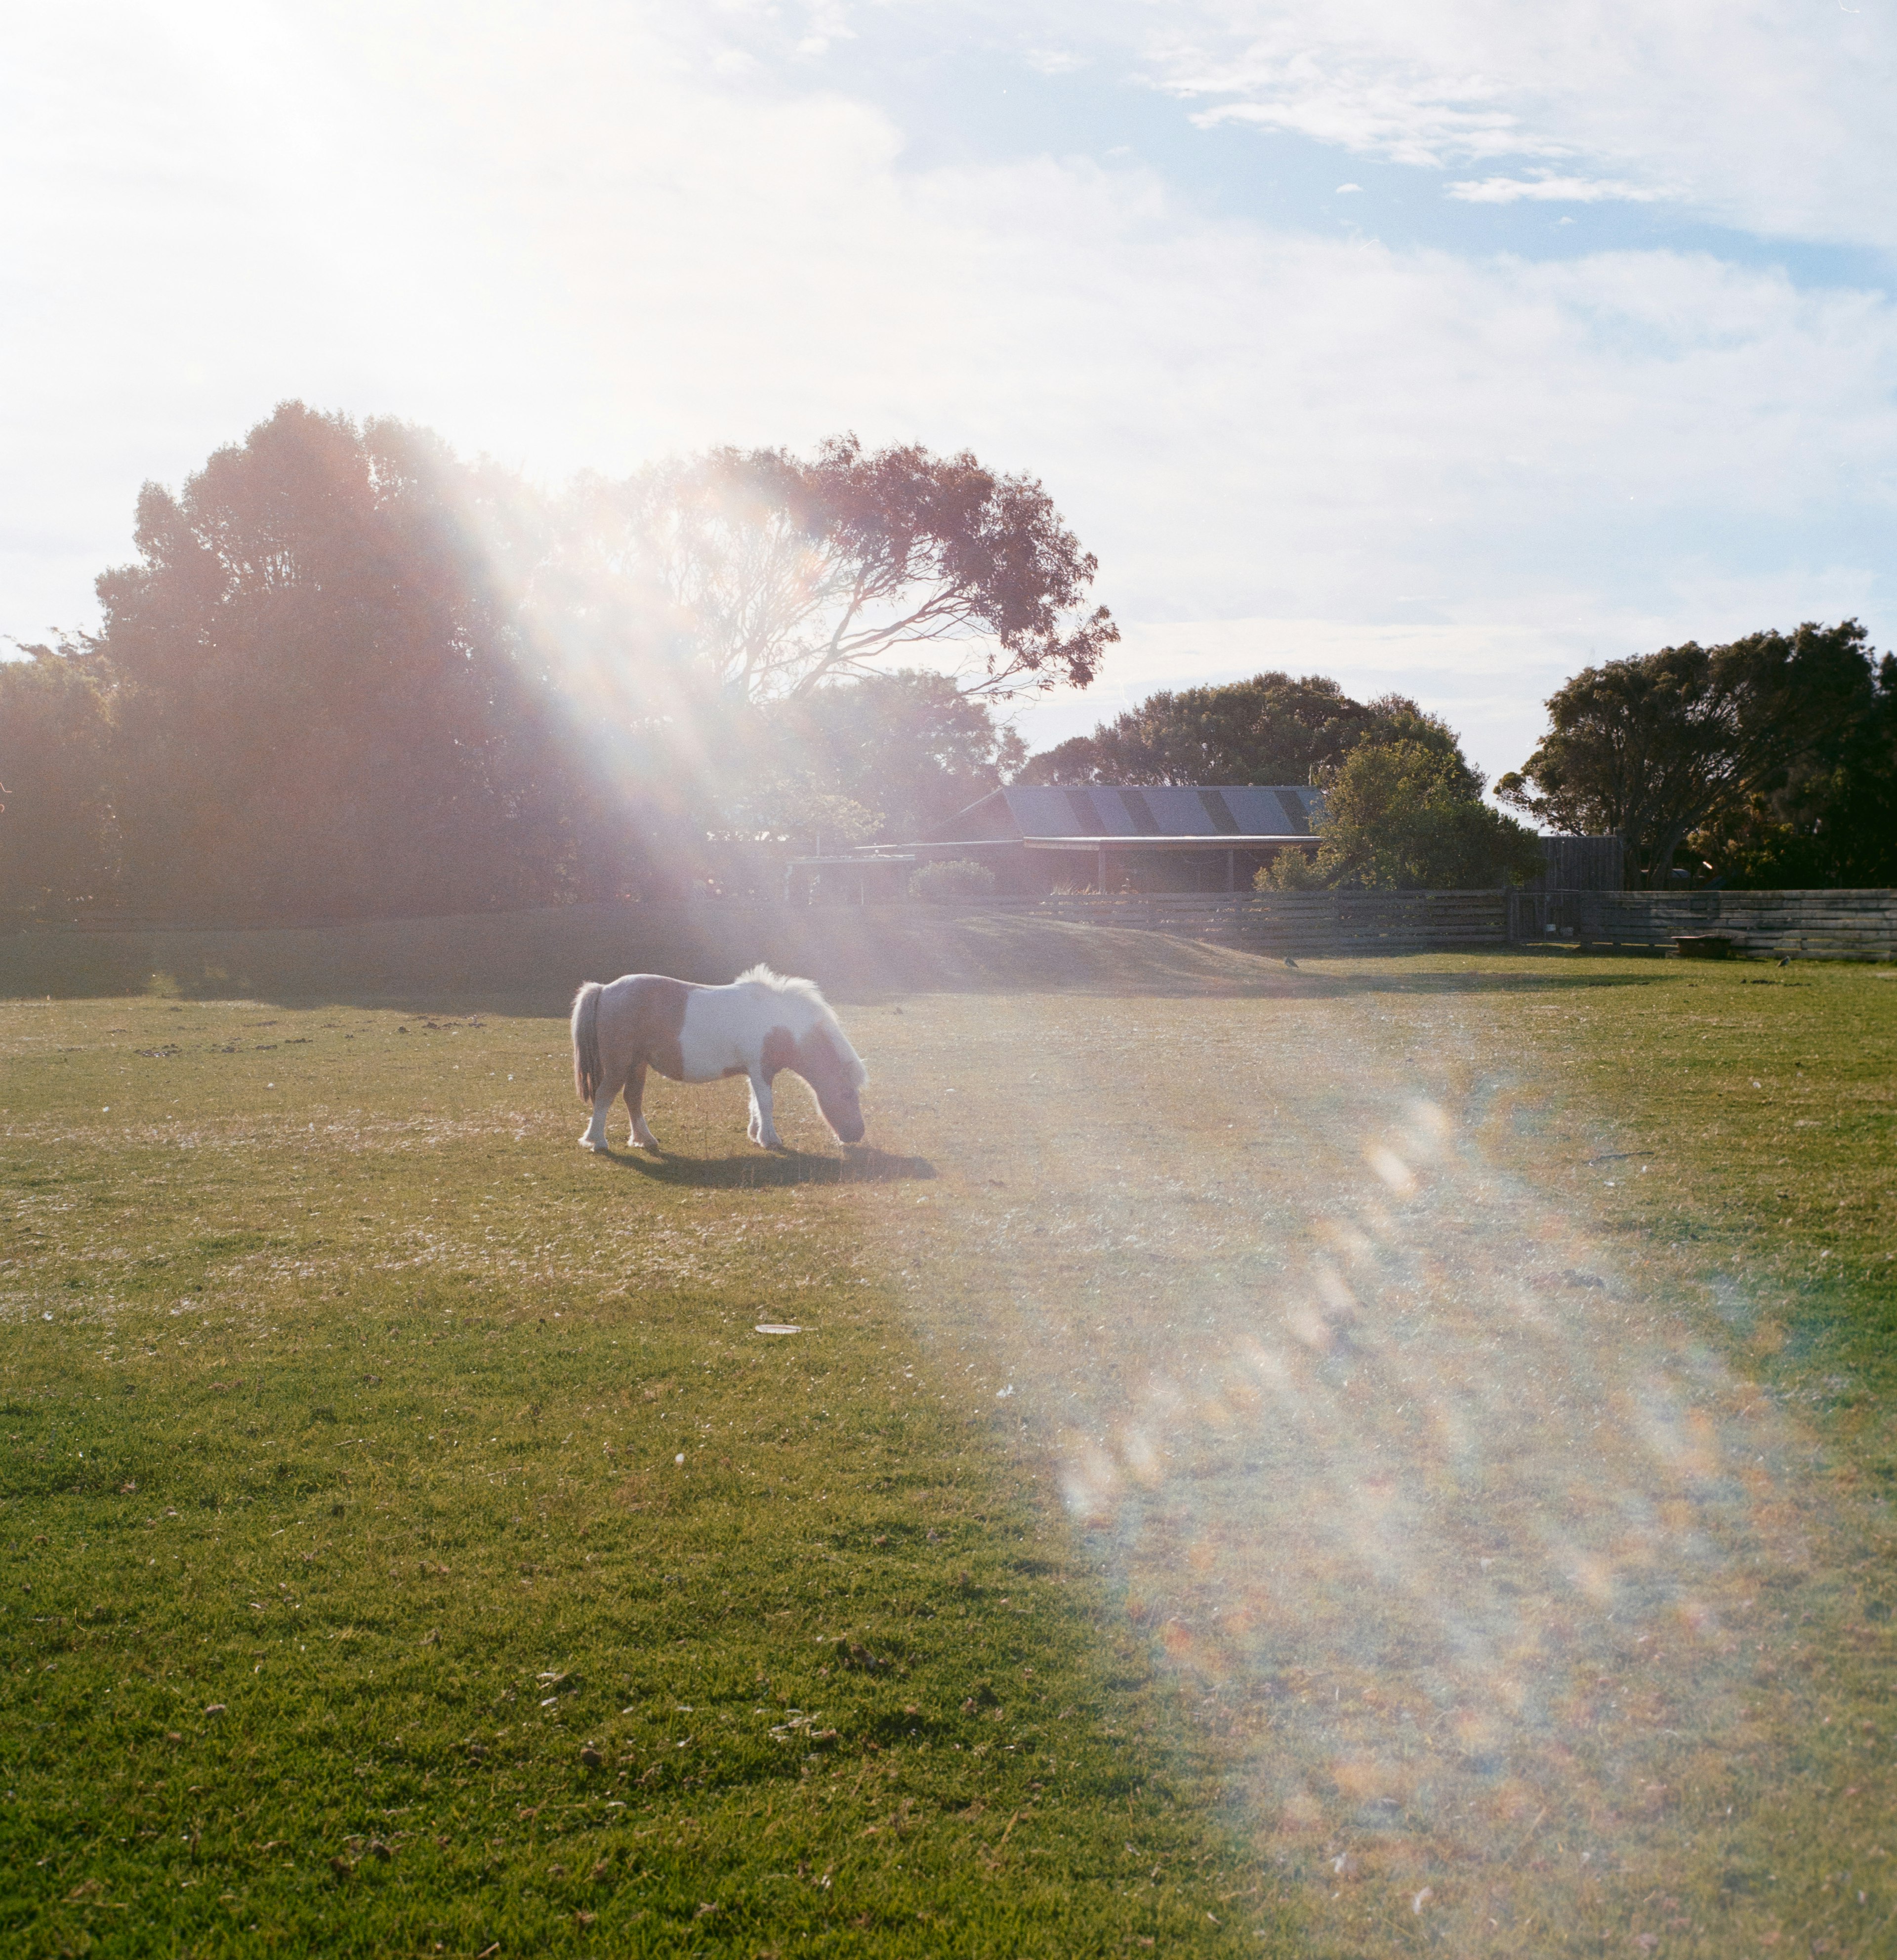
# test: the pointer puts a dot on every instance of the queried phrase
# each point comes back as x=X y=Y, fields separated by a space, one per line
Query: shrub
x=1290 y=871
x=952 y=881
x=1408 y=816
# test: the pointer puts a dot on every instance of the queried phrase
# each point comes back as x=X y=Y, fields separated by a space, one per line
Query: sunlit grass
x=1474 y=1382
x=1427 y=1420
x=356 y=1600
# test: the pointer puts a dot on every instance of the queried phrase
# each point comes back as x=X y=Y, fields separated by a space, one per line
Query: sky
x=1440 y=345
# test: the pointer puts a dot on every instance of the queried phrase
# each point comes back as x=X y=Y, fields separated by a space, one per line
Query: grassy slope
x=435 y=1231
x=342 y=1399
x=530 y=961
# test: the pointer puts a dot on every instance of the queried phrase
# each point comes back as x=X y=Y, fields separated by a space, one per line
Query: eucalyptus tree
x=1662 y=747
x=1269 y=729
x=323 y=703
x=766 y=576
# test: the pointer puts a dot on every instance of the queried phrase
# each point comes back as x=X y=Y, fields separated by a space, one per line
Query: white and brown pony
x=760 y=1024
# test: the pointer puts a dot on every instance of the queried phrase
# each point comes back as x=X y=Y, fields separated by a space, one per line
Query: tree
x=347 y=673
x=885 y=758
x=1664 y=745
x=1408 y=815
x=1271 y=729
x=1833 y=821
x=56 y=832
x=779 y=575
x=325 y=704
x=910 y=747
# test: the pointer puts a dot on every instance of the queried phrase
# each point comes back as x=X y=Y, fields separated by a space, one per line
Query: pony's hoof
x=598 y=1150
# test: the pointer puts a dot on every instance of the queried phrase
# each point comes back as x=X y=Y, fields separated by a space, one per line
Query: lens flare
x=1409 y=1463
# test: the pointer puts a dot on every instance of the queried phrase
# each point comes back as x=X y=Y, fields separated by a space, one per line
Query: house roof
x=1196 y=816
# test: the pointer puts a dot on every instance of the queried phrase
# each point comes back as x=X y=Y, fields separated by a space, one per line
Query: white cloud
x=1550 y=189
x=1383 y=119
x=1055 y=61
x=579 y=237
x=1772 y=116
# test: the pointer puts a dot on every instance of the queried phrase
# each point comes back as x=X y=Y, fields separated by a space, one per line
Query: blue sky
x=1597 y=352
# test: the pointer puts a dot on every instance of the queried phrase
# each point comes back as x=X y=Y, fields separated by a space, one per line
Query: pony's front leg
x=642 y=1137
x=762 y=1132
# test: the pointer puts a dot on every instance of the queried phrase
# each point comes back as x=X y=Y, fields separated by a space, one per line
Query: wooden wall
x=1818 y=925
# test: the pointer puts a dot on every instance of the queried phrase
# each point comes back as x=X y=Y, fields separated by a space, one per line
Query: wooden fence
x=1810 y=925
x=1312 y=923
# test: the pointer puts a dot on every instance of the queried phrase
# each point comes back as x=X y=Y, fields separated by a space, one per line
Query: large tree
x=1832 y=822
x=773 y=576
x=909 y=746
x=1271 y=729
x=1661 y=746
x=56 y=819
x=324 y=704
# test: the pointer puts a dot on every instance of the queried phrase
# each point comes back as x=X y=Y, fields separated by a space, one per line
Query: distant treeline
x=348 y=675
x=1768 y=762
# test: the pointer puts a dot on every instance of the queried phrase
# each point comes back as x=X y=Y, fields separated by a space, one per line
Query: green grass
x=1537 y=1600
x=342 y=1398
x=1518 y=1530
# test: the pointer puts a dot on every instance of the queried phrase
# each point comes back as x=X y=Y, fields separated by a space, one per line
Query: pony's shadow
x=759 y=1170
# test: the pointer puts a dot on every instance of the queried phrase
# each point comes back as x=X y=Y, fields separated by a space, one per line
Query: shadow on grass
x=528 y=964
x=758 y=1171
x=1479 y=982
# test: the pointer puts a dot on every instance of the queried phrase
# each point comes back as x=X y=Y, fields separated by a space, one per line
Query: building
x=1172 y=839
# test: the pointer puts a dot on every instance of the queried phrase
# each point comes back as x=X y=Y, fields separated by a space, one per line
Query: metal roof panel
x=1243 y=809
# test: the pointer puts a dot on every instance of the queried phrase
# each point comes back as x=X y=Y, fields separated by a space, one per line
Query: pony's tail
x=585 y=1040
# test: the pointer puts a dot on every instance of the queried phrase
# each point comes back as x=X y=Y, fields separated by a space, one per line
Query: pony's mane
x=807 y=991
x=761 y=976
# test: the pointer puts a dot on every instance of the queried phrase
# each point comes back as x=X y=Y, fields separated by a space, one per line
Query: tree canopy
x=1408 y=815
x=1687 y=743
x=777 y=575
x=58 y=838
x=1271 y=729
x=320 y=699
x=1832 y=822
x=347 y=673
x=908 y=749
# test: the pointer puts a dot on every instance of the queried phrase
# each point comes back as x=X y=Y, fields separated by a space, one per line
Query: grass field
x=1392 y=1459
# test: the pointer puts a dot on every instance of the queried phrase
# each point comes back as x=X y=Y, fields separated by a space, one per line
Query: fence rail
x=1313 y=924
x=1812 y=925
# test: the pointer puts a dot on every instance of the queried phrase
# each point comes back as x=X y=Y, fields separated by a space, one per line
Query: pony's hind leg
x=593 y=1138
x=642 y=1137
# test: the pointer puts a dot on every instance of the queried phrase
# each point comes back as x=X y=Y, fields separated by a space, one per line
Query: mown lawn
x=1475 y=1375
x=358 y=1598
x=1394 y=1459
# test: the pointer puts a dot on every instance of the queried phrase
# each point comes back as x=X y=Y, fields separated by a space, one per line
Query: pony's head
x=828 y=1062
x=821 y=1054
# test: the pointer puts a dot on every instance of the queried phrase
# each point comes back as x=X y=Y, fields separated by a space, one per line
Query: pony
x=762 y=1022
